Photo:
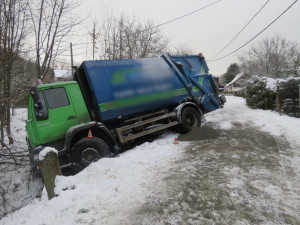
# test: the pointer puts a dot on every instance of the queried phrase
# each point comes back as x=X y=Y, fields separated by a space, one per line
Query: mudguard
x=95 y=125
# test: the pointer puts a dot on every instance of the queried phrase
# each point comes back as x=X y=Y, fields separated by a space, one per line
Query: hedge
x=260 y=93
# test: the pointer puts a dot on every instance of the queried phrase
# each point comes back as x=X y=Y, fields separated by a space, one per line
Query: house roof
x=62 y=73
x=235 y=79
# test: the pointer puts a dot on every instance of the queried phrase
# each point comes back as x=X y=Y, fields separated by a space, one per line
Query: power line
x=73 y=54
x=185 y=15
x=256 y=34
x=241 y=30
x=169 y=21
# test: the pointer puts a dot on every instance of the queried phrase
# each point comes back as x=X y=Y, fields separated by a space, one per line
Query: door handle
x=71 y=117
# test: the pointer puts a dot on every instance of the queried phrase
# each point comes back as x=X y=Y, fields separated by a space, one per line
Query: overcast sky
x=206 y=31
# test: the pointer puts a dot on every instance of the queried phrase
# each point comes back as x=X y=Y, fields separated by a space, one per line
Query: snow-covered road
x=241 y=167
x=238 y=176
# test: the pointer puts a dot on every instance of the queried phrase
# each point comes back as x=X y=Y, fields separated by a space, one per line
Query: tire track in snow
x=238 y=176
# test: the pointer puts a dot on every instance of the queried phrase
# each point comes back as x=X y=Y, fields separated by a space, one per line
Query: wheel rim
x=191 y=120
x=89 y=155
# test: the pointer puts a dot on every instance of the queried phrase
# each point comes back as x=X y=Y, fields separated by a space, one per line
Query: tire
x=86 y=151
x=190 y=118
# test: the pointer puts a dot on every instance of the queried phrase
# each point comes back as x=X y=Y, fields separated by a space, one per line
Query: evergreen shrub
x=260 y=94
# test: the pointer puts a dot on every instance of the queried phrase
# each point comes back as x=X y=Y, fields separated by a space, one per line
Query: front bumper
x=34 y=159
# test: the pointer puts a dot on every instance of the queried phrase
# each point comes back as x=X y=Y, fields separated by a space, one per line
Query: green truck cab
x=59 y=107
x=52 y=110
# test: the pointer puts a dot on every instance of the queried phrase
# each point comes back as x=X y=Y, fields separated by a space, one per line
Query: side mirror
x=41 y=112
x=35 y=97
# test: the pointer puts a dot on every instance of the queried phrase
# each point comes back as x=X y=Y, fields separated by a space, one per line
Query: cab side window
x=56 y=97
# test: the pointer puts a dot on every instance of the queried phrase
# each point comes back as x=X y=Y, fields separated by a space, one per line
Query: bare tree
x=125 y=37
x=183 y=49
x=13 y=24
x=52 y=21
x=274 y=57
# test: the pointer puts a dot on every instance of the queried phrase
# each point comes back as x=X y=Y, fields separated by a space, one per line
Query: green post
x=50 y=168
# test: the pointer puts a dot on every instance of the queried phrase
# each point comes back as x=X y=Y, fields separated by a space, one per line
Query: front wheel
x=88 y=150
x=190 y=118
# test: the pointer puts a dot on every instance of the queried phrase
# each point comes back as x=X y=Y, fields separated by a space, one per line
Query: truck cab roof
x=50 y=85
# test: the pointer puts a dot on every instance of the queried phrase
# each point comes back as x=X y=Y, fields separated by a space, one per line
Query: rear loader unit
x=113 y=102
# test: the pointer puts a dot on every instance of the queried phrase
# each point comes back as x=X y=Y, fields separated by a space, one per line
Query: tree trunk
x=2 y=131
x=8 y=127
x=294 y=107
x=266 y=101
x=7 y=94
x=2 y=115
x=13 y=17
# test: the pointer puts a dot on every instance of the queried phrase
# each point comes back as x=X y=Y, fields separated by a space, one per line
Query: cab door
x=61 y=115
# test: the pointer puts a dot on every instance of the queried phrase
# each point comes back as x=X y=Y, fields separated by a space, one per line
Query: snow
x=18 y=125
x=45 y=151
x=111 y=190
x=111 y=187
x=236 y=111
x=17 y=185
x=271 y=83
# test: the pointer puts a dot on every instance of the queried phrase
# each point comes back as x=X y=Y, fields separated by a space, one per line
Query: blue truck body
x=127 y=87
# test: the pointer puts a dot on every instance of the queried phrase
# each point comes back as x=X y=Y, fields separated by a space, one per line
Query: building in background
x=57 y=75
x=234 y=85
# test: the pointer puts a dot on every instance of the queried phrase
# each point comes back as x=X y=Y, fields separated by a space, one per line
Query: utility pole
x=72 y=69
x=94 y=37
x=94 y=40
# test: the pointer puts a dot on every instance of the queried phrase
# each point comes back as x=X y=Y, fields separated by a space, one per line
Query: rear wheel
x=190 y=118
x=88 y=150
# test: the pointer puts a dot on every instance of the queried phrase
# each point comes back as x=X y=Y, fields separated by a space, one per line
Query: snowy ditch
x=109 y=190
x=241 y=167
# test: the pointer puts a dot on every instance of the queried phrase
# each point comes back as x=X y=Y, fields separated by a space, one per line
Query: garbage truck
x=111 y=103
